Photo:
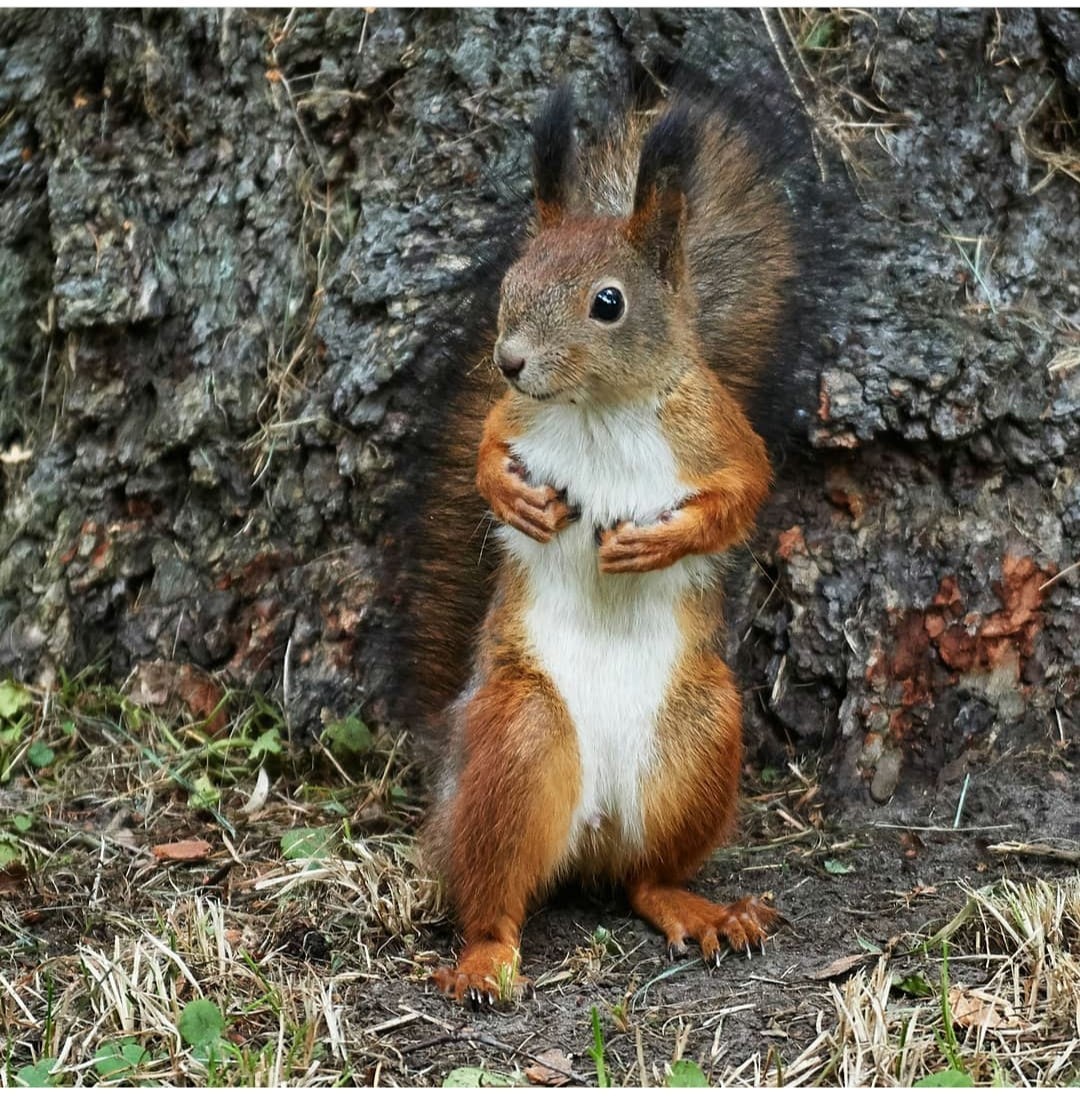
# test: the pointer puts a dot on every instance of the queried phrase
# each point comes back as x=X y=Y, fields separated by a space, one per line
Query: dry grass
x=828 y=56
x=1014 y=1019
x=293 y=358
x=313 y=959
x=1051 y=133
x=108 y=936
x=828 y=66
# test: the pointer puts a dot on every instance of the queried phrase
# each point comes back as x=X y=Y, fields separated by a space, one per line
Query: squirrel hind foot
x=481 y=993
x=486 y=976
x=680 y=914
x=740 y=925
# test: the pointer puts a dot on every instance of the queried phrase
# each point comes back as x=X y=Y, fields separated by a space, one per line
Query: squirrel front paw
x=628 y=547
x=538 y=512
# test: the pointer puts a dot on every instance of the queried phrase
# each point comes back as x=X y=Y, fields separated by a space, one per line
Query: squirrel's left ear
x=657 y=224
x=554 y=157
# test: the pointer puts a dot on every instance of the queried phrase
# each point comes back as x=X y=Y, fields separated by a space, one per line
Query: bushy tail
x=437 y=554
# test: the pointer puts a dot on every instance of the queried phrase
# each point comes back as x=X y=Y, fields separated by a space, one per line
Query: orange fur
x=507 y=824
x=690 y=806
x=536 y=511
x=548 y=214
x=701 y=745
x=678 y=914
x=722 y=458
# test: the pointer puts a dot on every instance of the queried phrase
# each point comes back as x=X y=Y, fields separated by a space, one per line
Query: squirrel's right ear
x=658 y=220
x=553 y=157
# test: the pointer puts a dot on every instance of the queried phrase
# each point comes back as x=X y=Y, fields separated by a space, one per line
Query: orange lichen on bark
x=910 y=664
x=253 y=575
x=157 y=684
x=907 y=662
x=975 y=641
x=842 y=492
x=790 y=542
x=963 y=641
x=823 y=404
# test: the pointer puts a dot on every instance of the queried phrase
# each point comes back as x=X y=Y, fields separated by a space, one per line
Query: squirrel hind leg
x=508 y=824
x=680 y=914
x=701 y=734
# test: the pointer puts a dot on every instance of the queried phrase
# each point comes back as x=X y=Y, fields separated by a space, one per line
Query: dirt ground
x=319 y=964
x=859 y=887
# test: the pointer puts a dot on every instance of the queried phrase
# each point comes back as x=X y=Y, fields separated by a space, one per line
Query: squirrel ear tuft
x=554 y=156
x=659 y=217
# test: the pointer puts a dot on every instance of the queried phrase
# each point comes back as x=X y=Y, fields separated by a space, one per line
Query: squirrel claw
x=570 y=512
x=538 y=512
x=677 y=950
x=603 y=535
x=476 y=990
x=479 y=1000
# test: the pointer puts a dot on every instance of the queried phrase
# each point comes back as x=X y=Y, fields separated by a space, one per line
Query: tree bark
x=229 y=245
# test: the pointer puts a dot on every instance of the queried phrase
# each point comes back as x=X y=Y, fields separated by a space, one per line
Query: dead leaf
x=203 y=697
x=158 y=683
x=13 y=877
x=555 y=1071
x=123 y=836
x=839 y=967
x=972 y=1010
x=149 y=685
x=185 y=850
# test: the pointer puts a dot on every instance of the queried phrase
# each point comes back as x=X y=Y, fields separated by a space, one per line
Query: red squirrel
x=597 y=731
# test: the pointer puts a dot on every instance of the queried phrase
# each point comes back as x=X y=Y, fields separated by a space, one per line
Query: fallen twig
x=1036 y=850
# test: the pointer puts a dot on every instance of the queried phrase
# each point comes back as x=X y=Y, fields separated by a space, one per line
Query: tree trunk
x=229 y=244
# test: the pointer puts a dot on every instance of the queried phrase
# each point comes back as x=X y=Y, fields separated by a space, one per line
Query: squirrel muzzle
x=509 y=358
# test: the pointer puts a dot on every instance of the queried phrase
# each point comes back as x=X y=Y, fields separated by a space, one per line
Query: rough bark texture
x=228 y=245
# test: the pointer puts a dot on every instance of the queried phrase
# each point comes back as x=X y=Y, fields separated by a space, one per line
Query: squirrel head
x=596 y=308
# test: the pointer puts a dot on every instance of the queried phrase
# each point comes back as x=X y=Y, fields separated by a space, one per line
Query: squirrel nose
x=511 y=365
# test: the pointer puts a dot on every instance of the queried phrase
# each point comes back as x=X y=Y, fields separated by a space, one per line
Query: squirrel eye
x=607 y=305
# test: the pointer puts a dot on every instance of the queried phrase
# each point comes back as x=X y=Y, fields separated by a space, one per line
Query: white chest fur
x=609 y=642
